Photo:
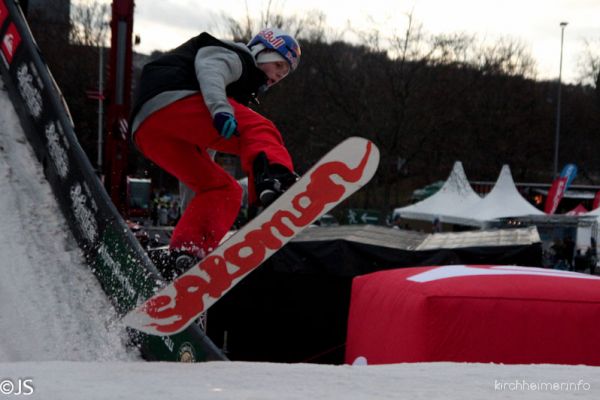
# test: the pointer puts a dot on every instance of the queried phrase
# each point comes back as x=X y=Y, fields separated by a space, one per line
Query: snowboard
x=341 y=172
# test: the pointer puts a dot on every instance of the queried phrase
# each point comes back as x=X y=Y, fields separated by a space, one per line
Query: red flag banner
x=555 y=195
x=559 y=187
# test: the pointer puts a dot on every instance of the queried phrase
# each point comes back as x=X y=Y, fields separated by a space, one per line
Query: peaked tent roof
x=450 y=204
x=456 y=202
x=503 y=201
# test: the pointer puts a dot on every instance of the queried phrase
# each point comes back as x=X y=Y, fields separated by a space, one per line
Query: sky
x=536 y=23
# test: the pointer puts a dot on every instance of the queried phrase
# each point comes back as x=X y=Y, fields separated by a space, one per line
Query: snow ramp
x=122 y=267
x=51 y=305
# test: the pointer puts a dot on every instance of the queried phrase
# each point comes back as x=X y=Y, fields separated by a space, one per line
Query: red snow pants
x=176 y=138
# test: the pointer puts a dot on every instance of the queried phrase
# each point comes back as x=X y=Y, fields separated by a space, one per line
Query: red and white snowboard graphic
x=341 y=172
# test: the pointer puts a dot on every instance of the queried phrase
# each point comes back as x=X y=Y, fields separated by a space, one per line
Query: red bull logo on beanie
x=270 y=37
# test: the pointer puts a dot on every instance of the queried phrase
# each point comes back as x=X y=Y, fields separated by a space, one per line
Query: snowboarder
x=194 y=98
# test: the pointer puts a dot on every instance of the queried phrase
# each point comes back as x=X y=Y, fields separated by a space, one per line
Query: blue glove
x=225 y=124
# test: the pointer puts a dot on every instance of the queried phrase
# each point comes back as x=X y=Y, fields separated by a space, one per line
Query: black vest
x=175 y=70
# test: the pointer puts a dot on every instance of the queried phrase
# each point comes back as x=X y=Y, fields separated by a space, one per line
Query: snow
x=51 y=305
x=265 y=381
x=61 y=339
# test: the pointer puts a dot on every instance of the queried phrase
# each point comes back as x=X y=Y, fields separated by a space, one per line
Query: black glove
x=226 y=124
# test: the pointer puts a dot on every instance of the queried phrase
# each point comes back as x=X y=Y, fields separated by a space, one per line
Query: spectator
x=590 y=256
x=569 y=251
x=437 y=225
x=580 y=261
x=559 y=261
x=173 y=213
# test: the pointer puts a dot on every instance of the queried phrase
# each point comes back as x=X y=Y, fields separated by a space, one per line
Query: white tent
x=457 y=203
x=450 y=204
x=503 y=201
x=593 y=215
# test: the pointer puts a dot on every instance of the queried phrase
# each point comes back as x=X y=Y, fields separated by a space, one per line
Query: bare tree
x=589 y=63
x=396 y=110
x=310 y=26
x=417 y=115
x=507 y=56
x=89 y=23
x=589 y=67
x=452 y=49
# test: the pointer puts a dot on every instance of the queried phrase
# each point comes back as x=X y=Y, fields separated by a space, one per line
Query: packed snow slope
x=61 y=339
x=51 y=305
x=222 y=380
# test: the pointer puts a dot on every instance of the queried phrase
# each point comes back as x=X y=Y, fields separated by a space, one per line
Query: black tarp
x=294 y=308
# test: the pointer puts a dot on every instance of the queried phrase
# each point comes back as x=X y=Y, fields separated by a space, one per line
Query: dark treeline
x=425 y=109
x=426 y=116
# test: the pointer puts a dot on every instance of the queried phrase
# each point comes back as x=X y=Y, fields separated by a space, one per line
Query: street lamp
x=557 y=134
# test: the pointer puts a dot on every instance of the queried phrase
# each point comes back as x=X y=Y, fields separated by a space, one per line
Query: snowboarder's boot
x=271 y=180
x=173 y=262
